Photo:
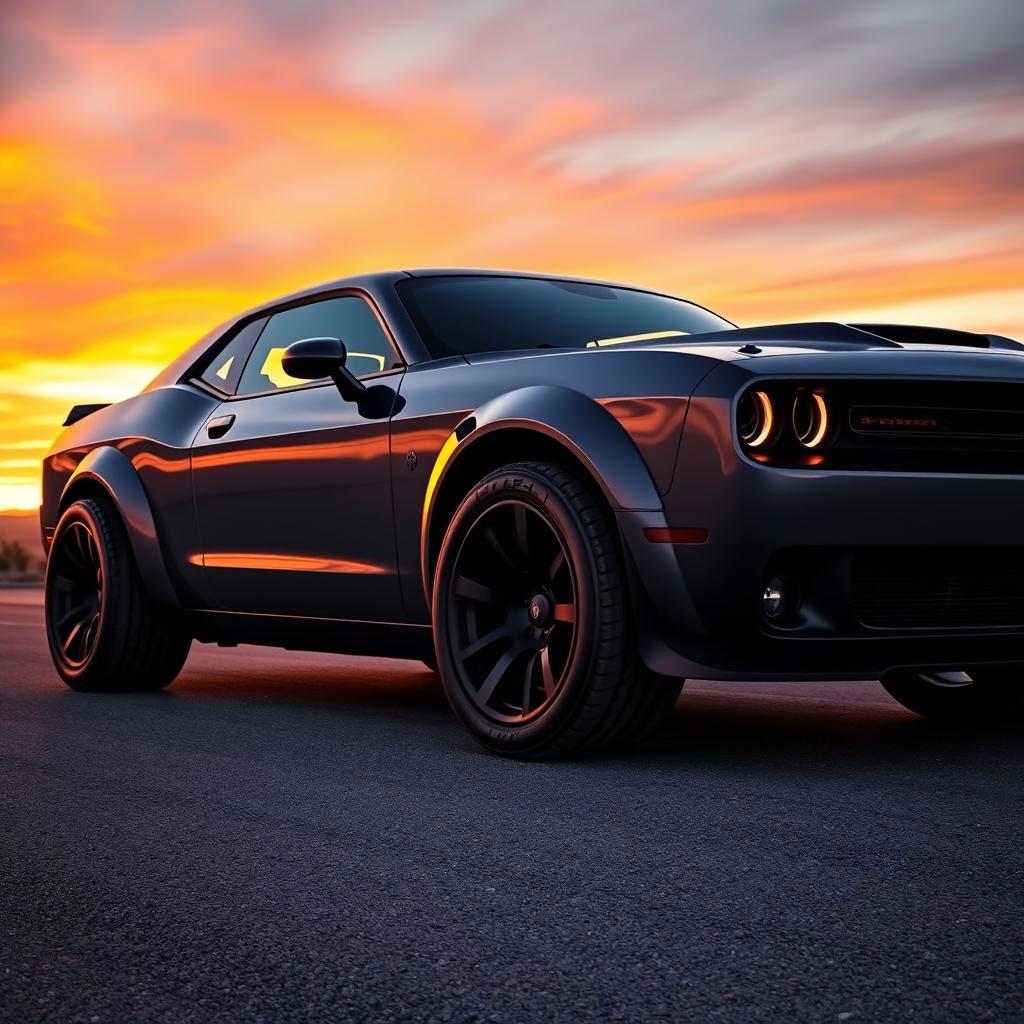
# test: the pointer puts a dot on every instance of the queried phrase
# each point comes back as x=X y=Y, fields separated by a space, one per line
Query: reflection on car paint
x=289 y=563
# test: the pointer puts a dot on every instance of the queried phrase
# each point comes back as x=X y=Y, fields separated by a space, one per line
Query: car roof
x=375 y=283
x=384 y=277
x=486 y=272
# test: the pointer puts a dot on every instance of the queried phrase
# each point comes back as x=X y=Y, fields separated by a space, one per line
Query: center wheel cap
x=539 y=610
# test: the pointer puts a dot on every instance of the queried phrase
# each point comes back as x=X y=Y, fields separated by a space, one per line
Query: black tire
x=550 y=605
x=985 y=695
x=105 y=633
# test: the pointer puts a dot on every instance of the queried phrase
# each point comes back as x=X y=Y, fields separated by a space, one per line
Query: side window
x=225 y=369
x=348 y=317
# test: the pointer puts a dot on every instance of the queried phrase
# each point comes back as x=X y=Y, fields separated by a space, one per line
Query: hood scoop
x=911 y=334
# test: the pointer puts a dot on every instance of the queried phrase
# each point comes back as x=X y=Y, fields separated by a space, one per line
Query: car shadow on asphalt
x=366 y=683
x=773 y=731
x=843 y=726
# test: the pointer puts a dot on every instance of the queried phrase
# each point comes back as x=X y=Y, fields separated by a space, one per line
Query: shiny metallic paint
x=652 y=422
x=501 y=390
x=301 y=474
x=110 y=469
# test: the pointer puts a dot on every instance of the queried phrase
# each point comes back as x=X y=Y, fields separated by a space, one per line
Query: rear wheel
x=531 y=620
x=104 y=632
x=959 y=696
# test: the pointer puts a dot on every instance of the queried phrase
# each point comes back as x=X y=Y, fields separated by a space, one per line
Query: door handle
x=219 y=426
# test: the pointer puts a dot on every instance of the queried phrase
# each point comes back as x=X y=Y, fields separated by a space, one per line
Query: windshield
x=465 y=314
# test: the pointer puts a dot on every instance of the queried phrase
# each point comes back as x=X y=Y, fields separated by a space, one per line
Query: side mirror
x=316 y=358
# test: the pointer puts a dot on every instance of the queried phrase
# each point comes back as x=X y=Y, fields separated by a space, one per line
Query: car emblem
x=411 y=460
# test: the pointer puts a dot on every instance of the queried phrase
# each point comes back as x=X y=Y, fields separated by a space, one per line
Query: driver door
x=292 y=483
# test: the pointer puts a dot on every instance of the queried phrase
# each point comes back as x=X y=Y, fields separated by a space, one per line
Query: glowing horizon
x=162 y=169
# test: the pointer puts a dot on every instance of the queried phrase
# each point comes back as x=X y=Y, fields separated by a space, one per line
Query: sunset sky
x=164 y=165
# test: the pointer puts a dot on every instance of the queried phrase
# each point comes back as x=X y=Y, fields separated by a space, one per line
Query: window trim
x=215 y=352
x=194 y=375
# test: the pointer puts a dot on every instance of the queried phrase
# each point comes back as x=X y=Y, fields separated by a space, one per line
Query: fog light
x=774 y=598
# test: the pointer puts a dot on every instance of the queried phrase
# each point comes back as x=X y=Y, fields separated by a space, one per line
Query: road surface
x=287 y=837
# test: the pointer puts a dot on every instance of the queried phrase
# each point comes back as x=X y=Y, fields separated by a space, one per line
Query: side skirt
x=295 y=633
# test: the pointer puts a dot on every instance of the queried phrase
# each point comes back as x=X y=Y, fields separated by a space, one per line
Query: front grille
x=933 y=588
x=925 y=421
x=901 y=426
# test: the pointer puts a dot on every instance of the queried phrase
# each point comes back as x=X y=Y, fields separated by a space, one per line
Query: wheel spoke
x=502 y=632
x=497 y=547
x=546 y=675
x=90 y=634
x=480 y=592
x=90 y=548
x=82 y=545
x=556 y=564
x=71 y=551
x=76 y=631
x=78 y=612
x=63 y=584
x=565 y=613
x=497 y=673
x=531 y=664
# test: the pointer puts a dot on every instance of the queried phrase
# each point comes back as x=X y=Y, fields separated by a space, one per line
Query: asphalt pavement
x=289 y=837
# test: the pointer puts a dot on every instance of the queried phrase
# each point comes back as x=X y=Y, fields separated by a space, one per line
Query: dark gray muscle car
x=565 y=495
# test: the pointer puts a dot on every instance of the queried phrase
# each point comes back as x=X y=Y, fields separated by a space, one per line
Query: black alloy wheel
x=76 y=602
x=104 y=630
x=532 y=621
x=512 y=612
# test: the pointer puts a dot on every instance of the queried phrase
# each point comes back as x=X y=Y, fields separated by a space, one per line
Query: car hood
x=819 y=348
x=868 y=349
x=796 y=339
x=805 y=338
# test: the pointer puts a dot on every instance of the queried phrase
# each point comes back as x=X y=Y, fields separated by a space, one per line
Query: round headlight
x=755 y=419
x=811 y=421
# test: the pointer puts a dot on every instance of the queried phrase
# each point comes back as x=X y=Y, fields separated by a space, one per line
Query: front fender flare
x=111 y=469
x=572 y=419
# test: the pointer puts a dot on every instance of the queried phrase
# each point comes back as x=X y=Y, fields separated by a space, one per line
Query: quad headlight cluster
x=795 y=415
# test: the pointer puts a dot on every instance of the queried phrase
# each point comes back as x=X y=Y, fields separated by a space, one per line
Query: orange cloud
x=155 y=181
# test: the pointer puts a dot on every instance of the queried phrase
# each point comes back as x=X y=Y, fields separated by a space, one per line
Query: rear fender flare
x=111 y=470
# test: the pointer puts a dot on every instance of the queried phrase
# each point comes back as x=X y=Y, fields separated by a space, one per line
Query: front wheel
x=532 y=621
x=104 y=632
x=959 y=696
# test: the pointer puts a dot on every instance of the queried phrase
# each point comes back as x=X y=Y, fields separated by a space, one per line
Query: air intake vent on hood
x=910 y=334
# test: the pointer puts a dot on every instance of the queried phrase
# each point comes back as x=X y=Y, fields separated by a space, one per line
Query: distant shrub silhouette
x=14 y=557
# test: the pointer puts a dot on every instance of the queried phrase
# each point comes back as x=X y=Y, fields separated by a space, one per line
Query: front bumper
x=699 y=608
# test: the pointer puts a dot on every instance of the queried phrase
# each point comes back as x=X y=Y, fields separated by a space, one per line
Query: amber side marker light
x=676 y=534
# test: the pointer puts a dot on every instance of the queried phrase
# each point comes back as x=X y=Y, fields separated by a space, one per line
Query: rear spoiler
x=79 y=412
x=911 y=334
